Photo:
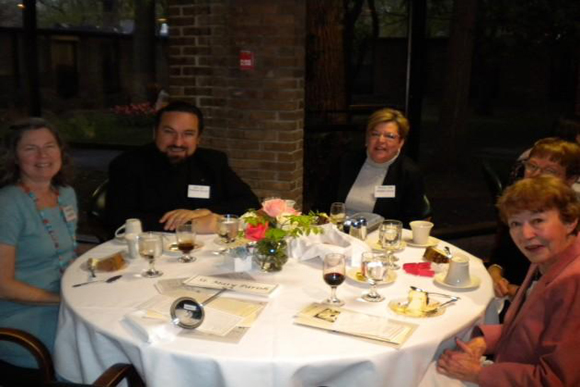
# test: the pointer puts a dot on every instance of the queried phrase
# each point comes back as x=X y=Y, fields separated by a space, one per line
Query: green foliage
x=99 y=127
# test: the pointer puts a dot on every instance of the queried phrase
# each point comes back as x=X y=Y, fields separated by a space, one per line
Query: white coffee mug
x=421 y=230
x=458 y=273
x=133 y=245
x=131 y=226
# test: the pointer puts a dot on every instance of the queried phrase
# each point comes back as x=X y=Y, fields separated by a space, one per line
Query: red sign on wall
x=246 y=60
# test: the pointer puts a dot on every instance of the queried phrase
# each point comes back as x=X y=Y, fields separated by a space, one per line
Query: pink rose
x=274 y=207
x=257 y=232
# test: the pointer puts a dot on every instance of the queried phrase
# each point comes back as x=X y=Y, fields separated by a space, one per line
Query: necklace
x=62 y=263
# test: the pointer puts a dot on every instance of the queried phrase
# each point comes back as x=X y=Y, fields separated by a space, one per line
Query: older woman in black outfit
x=380 y=179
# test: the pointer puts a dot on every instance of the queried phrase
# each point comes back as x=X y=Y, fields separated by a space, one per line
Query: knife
x=108 y=280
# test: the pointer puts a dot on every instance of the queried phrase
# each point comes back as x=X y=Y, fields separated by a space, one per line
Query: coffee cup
x=131 y=226
x=458 y=273
x=421 y=230
x=133 y=245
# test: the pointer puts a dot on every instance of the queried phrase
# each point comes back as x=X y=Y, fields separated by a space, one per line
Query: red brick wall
x=256 y=116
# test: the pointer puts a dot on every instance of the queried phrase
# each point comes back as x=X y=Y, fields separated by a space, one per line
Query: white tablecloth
x=274 y=352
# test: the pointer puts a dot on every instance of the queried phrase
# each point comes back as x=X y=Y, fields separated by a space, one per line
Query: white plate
x=398 y=306
x=377 y=246
x=85 y=265
x=355 y=274
x=473 y=284
x=431 y=242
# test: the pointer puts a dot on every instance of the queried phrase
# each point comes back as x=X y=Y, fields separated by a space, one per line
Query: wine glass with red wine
x=185 y=234
x=333 y=274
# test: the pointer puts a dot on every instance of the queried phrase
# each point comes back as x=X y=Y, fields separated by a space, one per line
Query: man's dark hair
x=182 y=107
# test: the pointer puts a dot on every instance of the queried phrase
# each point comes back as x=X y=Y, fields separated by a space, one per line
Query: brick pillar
x=256 y=116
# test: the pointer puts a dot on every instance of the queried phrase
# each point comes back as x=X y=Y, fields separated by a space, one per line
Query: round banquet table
x=274 y=352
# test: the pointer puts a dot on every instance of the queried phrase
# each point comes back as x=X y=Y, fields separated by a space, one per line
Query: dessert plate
x=355 y=274
x=431 y=242
x=473 y=284
x=399 y=306
x=85 y=266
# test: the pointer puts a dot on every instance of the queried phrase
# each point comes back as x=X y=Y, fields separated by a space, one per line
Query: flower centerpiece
x=271 y=225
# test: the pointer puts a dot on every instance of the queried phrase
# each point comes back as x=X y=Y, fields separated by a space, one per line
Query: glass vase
x=272 y=255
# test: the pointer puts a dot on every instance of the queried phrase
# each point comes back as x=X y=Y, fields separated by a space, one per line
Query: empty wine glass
x=333 y=275
x=338 y=214
x=228 y=228
x=185 y=234
x=374 y=268
x=150 y=246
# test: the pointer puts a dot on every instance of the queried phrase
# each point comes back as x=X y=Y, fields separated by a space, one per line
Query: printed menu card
x=353 y=323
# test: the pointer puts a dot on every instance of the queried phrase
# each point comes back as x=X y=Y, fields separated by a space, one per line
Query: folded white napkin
x=330 y=241
x=151 y=330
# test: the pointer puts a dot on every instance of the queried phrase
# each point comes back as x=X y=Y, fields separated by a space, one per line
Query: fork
x=439 y=294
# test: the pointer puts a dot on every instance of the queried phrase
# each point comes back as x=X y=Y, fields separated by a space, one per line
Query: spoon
x=448 y=252
x=92 y=263
x=439 y=294
x=108 y=280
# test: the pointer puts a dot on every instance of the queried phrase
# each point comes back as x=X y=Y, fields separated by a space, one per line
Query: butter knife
x=108 y=280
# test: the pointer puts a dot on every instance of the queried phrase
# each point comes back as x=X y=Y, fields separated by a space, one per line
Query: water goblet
x=150 y=246
x=228 y=228
x=333 y=275
x=390 y=236
x=185 y=234
x=374 y=268
x=338 y=214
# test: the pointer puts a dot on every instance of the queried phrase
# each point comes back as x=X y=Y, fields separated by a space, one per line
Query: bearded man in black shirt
x=172 y=181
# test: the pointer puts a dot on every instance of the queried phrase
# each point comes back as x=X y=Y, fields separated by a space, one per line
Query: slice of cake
x=418 y=302
x=111 y=263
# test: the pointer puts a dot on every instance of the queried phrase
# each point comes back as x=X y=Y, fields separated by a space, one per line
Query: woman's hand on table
x=463 y=364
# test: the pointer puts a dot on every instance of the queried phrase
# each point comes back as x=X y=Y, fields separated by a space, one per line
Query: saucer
x=473 y=284
x=172 y=247
x=377 y=246
x=431 y=242
x=239 y=242
x=399 y=306
x=355 y=274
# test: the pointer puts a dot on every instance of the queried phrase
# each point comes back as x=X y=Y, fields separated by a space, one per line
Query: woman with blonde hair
x=380 y=179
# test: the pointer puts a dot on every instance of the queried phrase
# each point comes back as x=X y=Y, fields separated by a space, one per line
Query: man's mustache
x=177 y=148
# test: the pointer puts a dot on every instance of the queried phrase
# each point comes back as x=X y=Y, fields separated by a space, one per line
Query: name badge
x=385 y=191
x=198 y=191
x=69 y=213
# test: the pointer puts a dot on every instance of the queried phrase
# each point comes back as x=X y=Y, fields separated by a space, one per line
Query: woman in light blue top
x=38 y=213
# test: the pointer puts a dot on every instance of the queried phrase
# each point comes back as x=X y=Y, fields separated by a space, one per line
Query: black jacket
x=143 y=184
x=408 y=203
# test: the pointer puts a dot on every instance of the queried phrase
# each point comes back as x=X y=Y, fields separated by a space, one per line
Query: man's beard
x=175 y=159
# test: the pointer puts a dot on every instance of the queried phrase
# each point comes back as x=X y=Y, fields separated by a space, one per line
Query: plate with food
x=109 y=263
x=416 y=304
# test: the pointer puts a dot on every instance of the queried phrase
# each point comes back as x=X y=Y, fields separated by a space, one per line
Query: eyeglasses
x=533 y=168
x=387 y=136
